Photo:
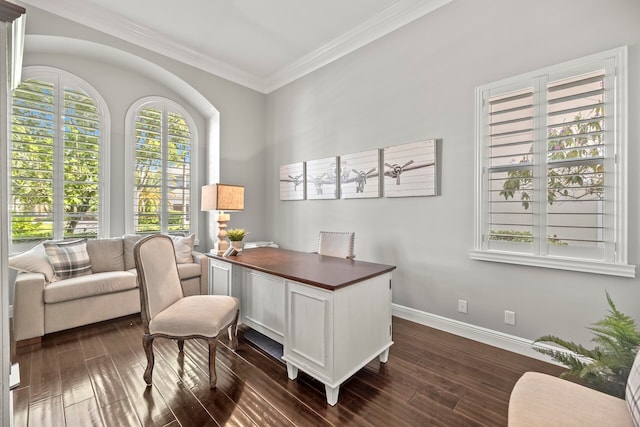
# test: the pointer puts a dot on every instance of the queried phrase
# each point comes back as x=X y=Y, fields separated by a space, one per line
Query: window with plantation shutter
x=57 y=150
x=551 y=167
x=162 y=170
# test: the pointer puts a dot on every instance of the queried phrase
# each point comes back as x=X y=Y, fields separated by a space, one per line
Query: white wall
x=418 y=83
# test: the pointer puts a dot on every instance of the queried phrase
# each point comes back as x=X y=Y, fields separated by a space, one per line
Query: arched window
x=161 y=139
x=59 y=148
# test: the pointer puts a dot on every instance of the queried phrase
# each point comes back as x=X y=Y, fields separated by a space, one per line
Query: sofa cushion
x=106 y=254
x=68 y=258
x=632 y=395
x=94 y=284
x=35 y=260
x=129 y=241
x=183 y=247
x=187 y=271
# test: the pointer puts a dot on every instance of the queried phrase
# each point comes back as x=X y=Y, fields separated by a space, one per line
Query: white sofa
x=42 y=304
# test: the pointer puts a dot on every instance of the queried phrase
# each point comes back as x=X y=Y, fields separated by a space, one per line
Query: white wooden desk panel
x=329 y=327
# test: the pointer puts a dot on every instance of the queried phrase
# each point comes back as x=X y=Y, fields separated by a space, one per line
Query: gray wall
x=418 y=83
x=413 y=84
x=124 y=73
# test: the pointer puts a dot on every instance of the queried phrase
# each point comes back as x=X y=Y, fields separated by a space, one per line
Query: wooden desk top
x=312 y=269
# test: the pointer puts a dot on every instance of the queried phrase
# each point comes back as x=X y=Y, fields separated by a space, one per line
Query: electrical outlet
x=510 y=317
x=462 y=306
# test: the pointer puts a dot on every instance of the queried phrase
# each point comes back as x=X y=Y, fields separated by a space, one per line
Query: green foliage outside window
x=34 y=172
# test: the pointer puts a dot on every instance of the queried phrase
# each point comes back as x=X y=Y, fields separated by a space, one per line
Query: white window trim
x=54 y=74
x=130 y=127
x=617 y=267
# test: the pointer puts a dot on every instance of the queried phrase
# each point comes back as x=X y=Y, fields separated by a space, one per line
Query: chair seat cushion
x=543 y=400
x=201 y=315
x=86 y=286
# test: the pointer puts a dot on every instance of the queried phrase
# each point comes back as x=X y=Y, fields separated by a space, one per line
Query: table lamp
x=221 y=198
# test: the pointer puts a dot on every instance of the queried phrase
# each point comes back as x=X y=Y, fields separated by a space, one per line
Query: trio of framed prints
x=406 y=170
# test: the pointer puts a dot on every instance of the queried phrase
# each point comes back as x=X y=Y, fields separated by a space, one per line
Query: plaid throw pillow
x=68 y=259
x=632 y=396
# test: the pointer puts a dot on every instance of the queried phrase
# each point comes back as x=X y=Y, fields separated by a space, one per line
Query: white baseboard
x=477 y=333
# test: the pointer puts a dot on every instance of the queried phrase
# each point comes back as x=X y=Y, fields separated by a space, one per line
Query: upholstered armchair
x=167 y=313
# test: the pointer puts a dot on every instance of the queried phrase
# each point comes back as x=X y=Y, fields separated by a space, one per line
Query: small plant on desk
x=236 y=234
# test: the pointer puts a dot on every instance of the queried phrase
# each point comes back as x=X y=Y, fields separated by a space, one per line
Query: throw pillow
x=69 y=259
x=632 y=395
x=184 y=248
x=129 y=241
x=106 y=254
x=34 y=260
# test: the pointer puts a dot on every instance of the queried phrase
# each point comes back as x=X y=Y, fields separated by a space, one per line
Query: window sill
x=571 y=264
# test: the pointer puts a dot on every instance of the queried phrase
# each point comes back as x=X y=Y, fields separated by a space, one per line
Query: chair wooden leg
x=233 y=332
x=180 y=345
x=212 y=362
x=147 y=343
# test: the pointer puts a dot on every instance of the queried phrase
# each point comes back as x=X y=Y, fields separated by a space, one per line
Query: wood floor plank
x=148 y=403
x=76 y=383
x=93 y=376
x=84 y=413
x=46 y=412
x=316 y=399
x=120 y=413
x=21 y=407
x=106 y=381
x=44 y=379
x=293 y=409
x=186 y=408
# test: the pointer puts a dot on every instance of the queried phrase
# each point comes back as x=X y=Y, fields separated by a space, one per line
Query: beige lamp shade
x=222 y=197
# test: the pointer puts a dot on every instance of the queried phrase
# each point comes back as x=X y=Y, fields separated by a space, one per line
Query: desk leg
x=384 y=356
x=332 y=394
x=292 y=371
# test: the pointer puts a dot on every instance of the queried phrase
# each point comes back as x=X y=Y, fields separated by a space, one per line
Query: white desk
x=332 y=315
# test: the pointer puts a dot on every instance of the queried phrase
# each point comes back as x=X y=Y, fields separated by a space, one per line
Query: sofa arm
x=203 y=261
x=28 y=306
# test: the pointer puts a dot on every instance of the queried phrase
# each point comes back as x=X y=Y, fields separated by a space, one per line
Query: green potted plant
x=235 y=236
x=607 y=366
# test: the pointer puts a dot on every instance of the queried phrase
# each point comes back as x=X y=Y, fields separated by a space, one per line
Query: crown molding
x=399 y=14
x=119 y=26
x=389 y=20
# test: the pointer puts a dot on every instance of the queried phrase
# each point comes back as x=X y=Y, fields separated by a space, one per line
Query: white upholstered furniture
x=42 y=305
x=337 y=244
x=541 y=400
x=167 y=313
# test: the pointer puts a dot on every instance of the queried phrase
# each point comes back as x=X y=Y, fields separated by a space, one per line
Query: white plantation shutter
x=56 y=146
x=551 y=189
x=162 y=193
x=81 y=163
x=510 y=153
x=577 y=165
x=33 y=124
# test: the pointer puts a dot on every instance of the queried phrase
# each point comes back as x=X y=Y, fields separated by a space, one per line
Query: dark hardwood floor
x=92 y=376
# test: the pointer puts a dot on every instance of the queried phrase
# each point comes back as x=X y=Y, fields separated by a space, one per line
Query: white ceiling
x=261 y=44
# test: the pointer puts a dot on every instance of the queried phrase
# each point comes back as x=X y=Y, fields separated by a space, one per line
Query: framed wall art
x=322 y=182
x=360 y=175
x=292 y=181
x=410 y=169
